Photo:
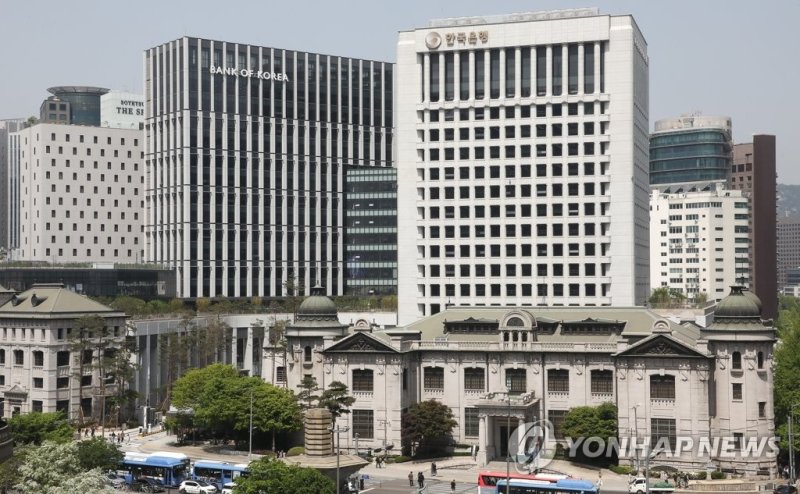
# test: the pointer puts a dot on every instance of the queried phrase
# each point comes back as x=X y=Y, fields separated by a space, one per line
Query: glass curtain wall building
x=691 y=149
x=246 y=151
x=522 y=143
x=371 y=230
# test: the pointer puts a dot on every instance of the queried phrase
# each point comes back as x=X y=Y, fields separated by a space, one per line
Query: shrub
x=717 y=475
x=620 y=469
x=698 y=475
x=297 y=450
x=399 y=459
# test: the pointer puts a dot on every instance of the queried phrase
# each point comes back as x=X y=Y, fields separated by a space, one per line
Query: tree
x=81 y=343
x=121 y=371
x=787 y=364
x=99 y=453
x=428 y=425
x=306 y=396
x=586 y=422
x=220 y=398
x=336 y=399
x=666 y=297
x=35 y=428
x=9 y=470
x=55 y=469
x=270 y=475
x=132 y=306
x=274 y=409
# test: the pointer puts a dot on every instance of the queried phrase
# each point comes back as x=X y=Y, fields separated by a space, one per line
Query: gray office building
x=6 y=127
x=246 y=155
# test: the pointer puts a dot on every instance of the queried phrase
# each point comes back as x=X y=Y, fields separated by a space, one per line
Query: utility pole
x=508 y=443
x=250 y=449
x=337 y=430
x=791 y=445
x=635 y=430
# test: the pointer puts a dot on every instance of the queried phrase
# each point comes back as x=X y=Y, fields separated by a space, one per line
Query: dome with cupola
x=739 y=304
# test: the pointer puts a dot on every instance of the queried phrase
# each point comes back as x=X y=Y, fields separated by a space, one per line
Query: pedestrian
x=411 y=479
x=433 y=469
x=421 y=480
x=361 y=483
x=92 y=431
x=453 y=485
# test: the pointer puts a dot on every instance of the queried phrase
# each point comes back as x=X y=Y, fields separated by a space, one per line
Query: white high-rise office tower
x=522 y=155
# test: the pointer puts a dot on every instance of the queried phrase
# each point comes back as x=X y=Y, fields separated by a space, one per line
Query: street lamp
x=337 y=430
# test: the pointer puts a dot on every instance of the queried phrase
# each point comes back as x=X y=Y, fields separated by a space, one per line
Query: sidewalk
x=462 y=469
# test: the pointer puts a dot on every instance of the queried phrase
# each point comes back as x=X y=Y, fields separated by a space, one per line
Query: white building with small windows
x=522 y=158
x=699 y=239
x=81 y=194
x=669 y=381
x=39 y=372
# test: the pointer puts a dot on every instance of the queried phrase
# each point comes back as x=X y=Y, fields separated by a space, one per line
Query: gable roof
x=52 y=298
x=661 y=345
x=361 y=342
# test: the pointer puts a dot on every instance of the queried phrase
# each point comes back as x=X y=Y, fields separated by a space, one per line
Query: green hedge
x=398 y=459
x=717 y=475
x=297 y=450
x=620 y=469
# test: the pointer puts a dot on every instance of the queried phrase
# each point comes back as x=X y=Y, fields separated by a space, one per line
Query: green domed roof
x=317 y=307
x=752 y=296
x=738 y=305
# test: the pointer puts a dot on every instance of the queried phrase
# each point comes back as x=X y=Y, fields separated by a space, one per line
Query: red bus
x=487 y=481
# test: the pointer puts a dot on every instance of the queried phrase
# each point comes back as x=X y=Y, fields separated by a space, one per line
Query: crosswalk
x=443 y=487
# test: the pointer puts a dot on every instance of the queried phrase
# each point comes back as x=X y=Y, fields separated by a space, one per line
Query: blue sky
x=735 y=58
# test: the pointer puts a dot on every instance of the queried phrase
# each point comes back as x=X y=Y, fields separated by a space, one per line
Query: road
x=435 y=486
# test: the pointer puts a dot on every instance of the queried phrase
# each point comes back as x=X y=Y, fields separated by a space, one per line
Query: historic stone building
x=39 y=371
x=496 y=366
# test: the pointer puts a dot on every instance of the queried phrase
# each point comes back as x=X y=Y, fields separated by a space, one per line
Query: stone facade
x=38 y=370
x=669 y=381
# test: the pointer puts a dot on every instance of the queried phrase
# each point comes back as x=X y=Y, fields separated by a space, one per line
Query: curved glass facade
x=689 y=156
x=84 y=103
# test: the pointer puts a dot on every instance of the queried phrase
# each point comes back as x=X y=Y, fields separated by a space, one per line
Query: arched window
x=760 y=359
x=515 y=322
x=505 y=335
x=524 y=336
x=307 y=354
x=736 y=361
x=515 y=336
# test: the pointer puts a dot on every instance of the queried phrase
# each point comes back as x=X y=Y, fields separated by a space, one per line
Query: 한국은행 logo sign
x=258 y=74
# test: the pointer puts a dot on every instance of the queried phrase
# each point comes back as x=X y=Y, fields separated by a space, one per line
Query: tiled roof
x=52 y=298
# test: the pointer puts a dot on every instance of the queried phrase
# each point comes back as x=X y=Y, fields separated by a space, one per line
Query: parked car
x=147 y=485
x=785 y=489
x=228 y=488
x=115 y=480
x=196 y=487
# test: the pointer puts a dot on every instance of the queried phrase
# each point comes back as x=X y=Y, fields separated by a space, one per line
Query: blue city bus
x=218 y=473
x=563 y=486
x=167 y=468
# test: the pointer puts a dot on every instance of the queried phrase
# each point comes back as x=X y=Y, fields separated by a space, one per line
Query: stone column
x=483 y=442
x=597 y=68
x=426 y=81
x=472 y=75
x=248 y=350
x=580 y=69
